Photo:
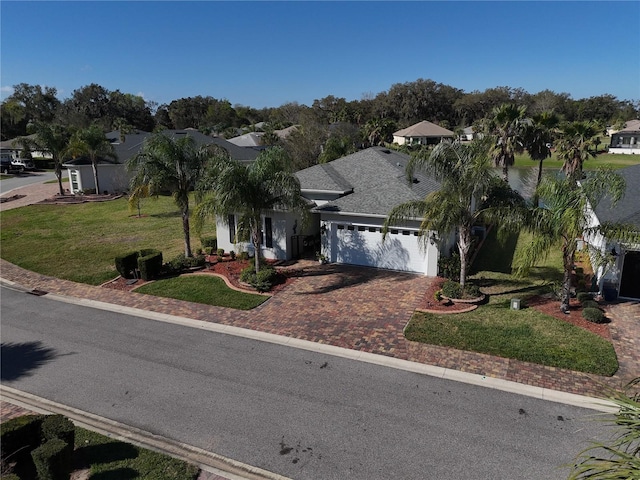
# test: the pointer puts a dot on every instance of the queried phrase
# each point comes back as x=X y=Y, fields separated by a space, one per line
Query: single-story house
x=15 y=151
x=623 y=277
x=254 y=139
x=627 y=140
x=422 y=133
x=467 y=134
x=349 y=199
x=113 y=175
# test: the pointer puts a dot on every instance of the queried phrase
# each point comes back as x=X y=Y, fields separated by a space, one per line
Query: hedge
x=58 y=426
x=150 y=265
x=19 y=436
x=52 y=460
x=126 y=264
x=593 y=315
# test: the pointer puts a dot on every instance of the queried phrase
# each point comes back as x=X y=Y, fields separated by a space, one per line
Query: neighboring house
x=422 y=133
x=8 y=147
x=113 y=175
x=622 y=278
x=627 y=140
x=254 y=139
x=349 y=199
x=467 y=134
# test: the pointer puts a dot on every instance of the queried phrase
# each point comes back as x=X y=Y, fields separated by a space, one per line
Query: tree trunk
x=185 y=230
x=464 y=245
x=94 y=166
x=535 y=198
x=567 y=259
x=505 y=172
x=255 y=237
x=58 y=172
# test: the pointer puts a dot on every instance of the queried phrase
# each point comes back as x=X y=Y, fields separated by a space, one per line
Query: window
x=75 y=184
x=340 y=227
x=232 y=228
x=361 y=229
x=394 y=232
x=372 y=229
x=350 y=227
x=268 y=233
x=406 y=232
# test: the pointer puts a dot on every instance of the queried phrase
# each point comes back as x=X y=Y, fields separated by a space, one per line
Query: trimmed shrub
x=126 y=264
x=590 y=304
x=220 y=252
x=150 y=265
x=209 y=242
x=263 y=281
x=449 y=267
x=19 y=436
x=243 y=256
x=58 y=426
x=583 y=297
x=593 y=315
x=52 y=460
x=472 y=291
x=451 y=289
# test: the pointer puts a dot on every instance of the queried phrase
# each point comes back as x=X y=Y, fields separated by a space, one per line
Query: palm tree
x=249 y=191
x=506 y=126
x=565 y=216
x=169 y=164
x=469 y=193
x=54 y=139
x=576 y=145
x=538 y=135
x=93 y=143
x=378 y=130
x=618 y=458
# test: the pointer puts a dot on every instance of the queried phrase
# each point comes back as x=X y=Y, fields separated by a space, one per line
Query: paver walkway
x=364 y=309
x=356 y=308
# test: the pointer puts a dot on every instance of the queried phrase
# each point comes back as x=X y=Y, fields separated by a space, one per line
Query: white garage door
x=362 y=245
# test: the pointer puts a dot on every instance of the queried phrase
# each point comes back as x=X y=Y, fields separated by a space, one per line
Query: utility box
x=515 y=304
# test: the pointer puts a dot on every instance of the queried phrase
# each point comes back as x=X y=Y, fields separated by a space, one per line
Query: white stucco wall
x=112 y=178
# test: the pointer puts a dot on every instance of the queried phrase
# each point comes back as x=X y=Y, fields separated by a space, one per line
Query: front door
x=630 y=281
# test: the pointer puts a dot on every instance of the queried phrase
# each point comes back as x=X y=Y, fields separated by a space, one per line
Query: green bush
x=590 y=304
x=179 y=263
x=583 y=297
x=58 y=426
x=472 y=291
x=243 y=256
x=263 y=281
x=220 y=252
x=209 y=242
x=52 y=460
x=451 y=289
x=150 y=265
x=593 y=315
x=19 y=436
x=449 y=267
x=126 y=264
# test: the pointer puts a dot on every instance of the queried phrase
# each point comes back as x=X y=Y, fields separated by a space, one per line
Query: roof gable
x=371 y=182
x=424 y=129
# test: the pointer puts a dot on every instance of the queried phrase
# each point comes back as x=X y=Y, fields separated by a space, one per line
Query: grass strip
x=110 y=458
x=206 y=289
x=526 y=335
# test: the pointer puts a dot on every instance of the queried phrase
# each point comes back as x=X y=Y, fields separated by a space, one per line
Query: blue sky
x=263 y=54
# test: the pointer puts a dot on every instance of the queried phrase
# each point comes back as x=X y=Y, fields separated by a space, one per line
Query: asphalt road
x=293 y=412
x=24 y=179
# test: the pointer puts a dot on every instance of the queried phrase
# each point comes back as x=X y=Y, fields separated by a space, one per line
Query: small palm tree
x=169 y=164
x=93 y=143
x=538 y=134
x=618 y=459
x=53 y=139
x=469 y=193
x=506 y=126
x=576 y=145
x=564 y=216
x=229 y=187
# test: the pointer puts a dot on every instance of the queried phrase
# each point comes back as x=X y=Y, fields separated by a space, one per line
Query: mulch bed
x=544 y=304
x=72 y=199
x=11 y=198
x=231 y=269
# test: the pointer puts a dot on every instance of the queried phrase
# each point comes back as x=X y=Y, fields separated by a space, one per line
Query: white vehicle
x=23 y=163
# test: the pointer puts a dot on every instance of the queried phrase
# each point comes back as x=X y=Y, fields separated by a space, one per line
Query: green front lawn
x=80 y=242
x=206 y=289
x=526 y=334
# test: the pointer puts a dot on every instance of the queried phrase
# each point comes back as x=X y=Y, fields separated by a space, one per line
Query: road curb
x=207 y=461
x=541 y=393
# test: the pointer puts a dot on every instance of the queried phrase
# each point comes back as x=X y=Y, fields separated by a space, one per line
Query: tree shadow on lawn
x=495 y=255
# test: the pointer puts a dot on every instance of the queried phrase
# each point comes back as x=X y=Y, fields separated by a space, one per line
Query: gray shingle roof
x=134 y=141
x=372 y=182
x=626 y=210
